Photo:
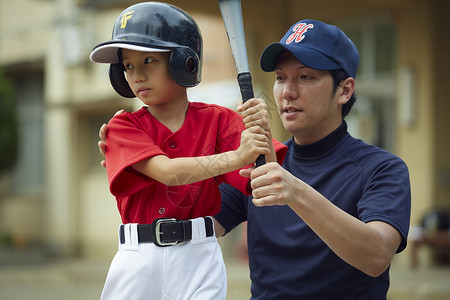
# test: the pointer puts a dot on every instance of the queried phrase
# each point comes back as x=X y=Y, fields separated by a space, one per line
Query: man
x=327 y=223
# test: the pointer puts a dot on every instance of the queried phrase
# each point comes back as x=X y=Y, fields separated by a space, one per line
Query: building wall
x=418 y=58
x=22 y=51
x=441 y=123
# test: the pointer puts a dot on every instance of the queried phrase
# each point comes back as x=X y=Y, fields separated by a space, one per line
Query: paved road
x=75 y=279
x=81 y=279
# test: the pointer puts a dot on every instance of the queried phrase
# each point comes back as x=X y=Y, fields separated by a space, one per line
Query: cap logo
x=299 y=32
x=125 y=17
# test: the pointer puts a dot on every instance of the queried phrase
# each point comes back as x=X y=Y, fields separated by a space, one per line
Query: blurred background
x=58 y=220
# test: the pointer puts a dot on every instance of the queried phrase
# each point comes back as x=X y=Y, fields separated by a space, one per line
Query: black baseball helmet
x=153 y=27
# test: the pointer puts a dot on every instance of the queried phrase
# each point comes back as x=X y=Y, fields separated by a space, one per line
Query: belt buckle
x=157 y=232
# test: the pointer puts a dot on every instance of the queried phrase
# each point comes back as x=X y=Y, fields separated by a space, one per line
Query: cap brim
x=270 y=56
x=107 y=53
x=309 y=57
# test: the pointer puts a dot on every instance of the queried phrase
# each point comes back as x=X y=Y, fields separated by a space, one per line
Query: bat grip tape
x=245 y=85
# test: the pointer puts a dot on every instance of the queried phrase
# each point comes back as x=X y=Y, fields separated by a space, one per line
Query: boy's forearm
x=187 y=170
x=204 y=167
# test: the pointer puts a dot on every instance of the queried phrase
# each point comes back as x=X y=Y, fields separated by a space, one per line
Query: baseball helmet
x=153 y=27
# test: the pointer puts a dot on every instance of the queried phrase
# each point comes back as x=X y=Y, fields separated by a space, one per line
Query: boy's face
x=149 y=78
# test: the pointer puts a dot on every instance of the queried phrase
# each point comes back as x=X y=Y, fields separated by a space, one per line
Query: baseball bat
x=232 y=18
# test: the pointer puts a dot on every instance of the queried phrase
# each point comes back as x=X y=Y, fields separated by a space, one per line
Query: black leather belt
x=166 y=232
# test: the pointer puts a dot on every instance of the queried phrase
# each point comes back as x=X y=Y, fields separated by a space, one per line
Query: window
x=28 y=172
x=372 y=116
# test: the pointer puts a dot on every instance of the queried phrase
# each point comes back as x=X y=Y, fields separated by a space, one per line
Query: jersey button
x=173 y=145
x=162 y=210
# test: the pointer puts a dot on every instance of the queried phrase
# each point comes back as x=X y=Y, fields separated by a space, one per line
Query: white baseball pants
x=192 y=270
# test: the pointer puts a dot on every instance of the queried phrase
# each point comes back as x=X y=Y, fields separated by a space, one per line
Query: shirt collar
x=322 y=146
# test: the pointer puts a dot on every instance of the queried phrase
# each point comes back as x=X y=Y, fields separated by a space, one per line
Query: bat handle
x=245 y=85
x=260 y=160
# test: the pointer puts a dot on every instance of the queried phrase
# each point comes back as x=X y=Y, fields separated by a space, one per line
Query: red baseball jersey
x=133 y=137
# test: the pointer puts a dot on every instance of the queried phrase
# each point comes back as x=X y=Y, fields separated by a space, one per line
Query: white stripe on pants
x=190 y=270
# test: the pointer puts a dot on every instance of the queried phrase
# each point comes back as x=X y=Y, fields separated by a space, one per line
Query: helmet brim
x=107 y=52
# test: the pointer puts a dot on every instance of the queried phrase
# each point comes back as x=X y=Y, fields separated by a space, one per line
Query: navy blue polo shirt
x=287 y=259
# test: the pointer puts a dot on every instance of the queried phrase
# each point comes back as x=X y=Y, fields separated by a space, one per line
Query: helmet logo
x=125 y=17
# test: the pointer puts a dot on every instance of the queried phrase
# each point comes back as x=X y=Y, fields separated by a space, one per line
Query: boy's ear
x=119 y=82
x=346 y=89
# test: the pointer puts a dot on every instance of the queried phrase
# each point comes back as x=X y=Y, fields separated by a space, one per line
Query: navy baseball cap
x=317 y=45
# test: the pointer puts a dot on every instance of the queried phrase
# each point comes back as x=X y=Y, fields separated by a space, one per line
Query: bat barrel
x=232 y=17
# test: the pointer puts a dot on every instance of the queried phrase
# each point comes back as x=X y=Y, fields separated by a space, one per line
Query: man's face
x=306 y=103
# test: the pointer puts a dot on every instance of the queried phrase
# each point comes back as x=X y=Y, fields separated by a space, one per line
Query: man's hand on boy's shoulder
x=102 y=135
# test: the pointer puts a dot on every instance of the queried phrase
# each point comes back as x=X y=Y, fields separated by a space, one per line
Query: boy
x=166 y=160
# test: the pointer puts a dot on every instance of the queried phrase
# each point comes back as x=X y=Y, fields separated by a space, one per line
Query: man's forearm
x=218 y=228
x=368 y=247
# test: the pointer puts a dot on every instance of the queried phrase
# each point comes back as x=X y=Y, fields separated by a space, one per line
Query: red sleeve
x=127 y=144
